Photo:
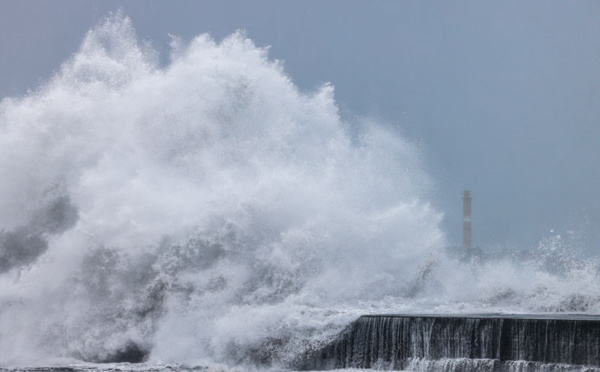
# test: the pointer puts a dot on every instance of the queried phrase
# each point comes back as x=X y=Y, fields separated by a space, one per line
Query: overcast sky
x=503 y=96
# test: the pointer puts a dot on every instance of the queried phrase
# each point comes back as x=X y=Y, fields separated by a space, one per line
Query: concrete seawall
x=493 y=342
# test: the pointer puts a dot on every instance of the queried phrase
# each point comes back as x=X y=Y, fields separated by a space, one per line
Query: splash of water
x=201 y=210
x=210 y=211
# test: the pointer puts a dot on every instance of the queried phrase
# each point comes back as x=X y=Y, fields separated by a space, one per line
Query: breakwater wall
x=463 y=342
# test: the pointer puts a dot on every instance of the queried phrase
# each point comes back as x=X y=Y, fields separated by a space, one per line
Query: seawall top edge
x=531 y=316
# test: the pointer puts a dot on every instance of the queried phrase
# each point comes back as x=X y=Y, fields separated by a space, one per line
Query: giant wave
x=208 y=211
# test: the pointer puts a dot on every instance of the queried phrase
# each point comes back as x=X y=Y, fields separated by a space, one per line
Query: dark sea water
x=124 y=367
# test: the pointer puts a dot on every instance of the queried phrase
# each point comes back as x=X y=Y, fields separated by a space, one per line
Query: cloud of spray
x=210 y=211
x=202 y=210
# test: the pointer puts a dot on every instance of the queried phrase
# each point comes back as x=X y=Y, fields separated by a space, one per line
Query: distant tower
x=467 y=220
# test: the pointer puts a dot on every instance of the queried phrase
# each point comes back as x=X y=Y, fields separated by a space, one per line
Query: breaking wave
x=208 y=211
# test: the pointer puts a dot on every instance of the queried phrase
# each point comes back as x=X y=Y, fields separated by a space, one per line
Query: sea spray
x=207 y=211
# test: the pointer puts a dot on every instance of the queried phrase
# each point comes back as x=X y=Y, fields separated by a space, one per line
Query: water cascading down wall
x=472 y=342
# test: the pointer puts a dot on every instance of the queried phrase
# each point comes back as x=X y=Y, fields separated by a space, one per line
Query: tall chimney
x=467 y=219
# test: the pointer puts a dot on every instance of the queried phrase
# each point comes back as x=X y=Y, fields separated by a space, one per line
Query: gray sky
x=504 y=97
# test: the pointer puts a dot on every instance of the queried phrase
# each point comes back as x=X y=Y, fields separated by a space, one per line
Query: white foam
x=224 y=216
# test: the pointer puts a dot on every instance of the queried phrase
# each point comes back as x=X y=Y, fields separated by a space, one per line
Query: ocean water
x=208 y=213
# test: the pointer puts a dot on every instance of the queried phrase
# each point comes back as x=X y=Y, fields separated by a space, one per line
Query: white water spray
x=209 y=211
